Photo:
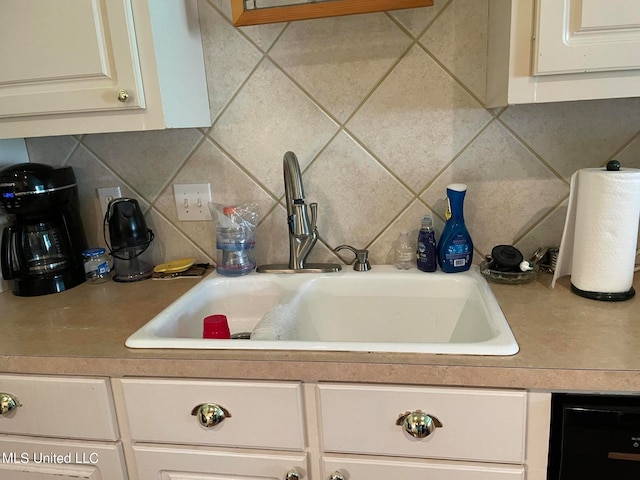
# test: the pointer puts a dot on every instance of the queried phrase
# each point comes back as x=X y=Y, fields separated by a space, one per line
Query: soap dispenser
x=455 y=248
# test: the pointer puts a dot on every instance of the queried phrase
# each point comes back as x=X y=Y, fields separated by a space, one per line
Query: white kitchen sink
x=382 y=310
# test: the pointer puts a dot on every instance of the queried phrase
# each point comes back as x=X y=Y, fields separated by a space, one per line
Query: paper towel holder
x=612 y=166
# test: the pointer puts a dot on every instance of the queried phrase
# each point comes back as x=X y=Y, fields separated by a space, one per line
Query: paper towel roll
x=598 y=247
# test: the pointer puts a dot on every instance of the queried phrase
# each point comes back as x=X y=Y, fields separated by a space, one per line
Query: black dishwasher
x=594 y=437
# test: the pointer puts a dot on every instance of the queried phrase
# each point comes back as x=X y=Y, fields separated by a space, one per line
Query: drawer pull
x=418 y=423
x=293 y=474
x=8 y=403
x=338 y=475
x=209 y=414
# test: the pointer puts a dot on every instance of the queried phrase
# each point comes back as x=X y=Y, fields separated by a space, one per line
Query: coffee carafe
x=130 y=240
x=41 y=251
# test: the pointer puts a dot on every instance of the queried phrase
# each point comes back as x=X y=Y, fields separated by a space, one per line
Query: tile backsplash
x=383 y=110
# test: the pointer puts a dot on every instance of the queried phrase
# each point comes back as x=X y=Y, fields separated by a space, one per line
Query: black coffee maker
x=41 y=251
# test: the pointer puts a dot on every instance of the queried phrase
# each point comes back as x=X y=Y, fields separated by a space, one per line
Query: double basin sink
x=382 y=310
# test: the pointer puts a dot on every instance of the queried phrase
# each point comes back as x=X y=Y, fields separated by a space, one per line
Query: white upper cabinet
x=576 y=36
x=80 y=66
x=560 y=50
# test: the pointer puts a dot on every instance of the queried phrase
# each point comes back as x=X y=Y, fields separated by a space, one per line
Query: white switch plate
x=105 y=195
x=192 y=200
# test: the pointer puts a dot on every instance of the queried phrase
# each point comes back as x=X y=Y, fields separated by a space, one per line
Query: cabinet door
x=380 y=469
x=555 y=51
x=183 y=463
x=67 y=56
x=25 y=458
x=587 y=36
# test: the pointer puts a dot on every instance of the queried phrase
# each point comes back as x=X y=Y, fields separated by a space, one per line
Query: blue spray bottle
x=455 y=248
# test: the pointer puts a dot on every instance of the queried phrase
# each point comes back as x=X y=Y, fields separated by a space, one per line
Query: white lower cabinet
x=156 y=462
x=337 y=468
x=58 y=428
x=384 y=431
x=218 y=430
x=205 y=429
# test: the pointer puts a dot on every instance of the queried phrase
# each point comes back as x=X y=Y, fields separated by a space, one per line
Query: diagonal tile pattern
x=383 y=112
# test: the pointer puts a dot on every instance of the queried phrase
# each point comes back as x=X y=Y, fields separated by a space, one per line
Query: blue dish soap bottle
x=455 y=249
x=426 y=246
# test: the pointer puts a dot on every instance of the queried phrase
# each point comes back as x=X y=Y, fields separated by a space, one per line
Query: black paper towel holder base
x=603 y=296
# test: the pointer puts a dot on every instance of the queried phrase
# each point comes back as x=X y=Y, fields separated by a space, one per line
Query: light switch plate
x=191 y=201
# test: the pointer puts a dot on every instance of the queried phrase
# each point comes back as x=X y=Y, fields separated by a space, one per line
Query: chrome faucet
x=303 y=233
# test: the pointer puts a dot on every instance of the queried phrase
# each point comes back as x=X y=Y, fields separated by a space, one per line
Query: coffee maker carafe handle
x=5 y=255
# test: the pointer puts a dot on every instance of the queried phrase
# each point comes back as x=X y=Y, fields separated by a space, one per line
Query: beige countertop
x=566 y=343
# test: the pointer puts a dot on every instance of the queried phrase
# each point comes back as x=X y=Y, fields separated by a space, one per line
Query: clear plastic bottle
x=96 y=265
x=235 y=246
x=426 y=246
x=404 y=254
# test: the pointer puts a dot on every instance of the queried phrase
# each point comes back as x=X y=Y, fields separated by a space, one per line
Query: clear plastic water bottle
x=235 y=247
x=405 y=256
x=96 y=265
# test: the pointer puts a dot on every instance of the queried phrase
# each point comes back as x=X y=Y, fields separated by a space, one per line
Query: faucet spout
x=302 y=232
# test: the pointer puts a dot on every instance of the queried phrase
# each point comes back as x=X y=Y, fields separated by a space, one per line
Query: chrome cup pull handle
x=210 y=414
x=8 y=403
x=418 y=424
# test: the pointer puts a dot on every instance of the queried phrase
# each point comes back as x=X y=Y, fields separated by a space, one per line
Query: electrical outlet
x=192 y=200
x=105 y=195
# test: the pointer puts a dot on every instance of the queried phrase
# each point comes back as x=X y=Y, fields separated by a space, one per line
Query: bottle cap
x=216 y=326
x=93 y=252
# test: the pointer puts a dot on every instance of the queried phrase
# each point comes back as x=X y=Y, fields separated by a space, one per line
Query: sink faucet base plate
x=308 y=268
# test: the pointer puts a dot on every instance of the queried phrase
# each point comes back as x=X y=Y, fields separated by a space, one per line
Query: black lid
x=127 y=227
x=35 y=177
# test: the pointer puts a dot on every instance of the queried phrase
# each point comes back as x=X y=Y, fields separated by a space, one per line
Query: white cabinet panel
x=379 y=469
x=181 y=463
x=562 y=50
x=59 y=407
x=64 y=63
x=67 y=56
x=262 y=414
x=37 y=459
x=586 y=36
x=477 y=424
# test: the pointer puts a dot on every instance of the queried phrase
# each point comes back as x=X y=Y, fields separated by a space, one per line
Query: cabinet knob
x=293 y=474
x=418 y=423
x=338 y=475
x=210 y=414
x=8 y=403
x=122 y=95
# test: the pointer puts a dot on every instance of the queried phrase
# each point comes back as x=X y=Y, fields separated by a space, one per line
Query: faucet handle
x=362 y=257
x=314 y=214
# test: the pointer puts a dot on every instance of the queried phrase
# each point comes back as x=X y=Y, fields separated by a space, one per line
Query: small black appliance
x=130 y=240
x=594 y=436
x=41 y=251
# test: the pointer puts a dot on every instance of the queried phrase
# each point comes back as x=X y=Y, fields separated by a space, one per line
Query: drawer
x=419 y=469
x=31 y=459
x=262 y=414
x=181 y=463
x=70 y=407
x=477 y=424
